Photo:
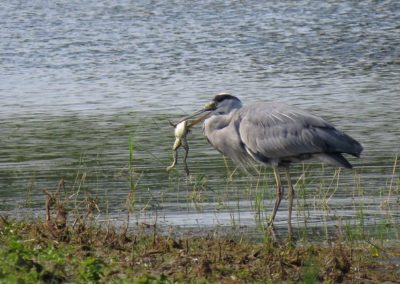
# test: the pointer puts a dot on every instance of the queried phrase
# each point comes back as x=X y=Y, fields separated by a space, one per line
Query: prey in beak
x=181 y=131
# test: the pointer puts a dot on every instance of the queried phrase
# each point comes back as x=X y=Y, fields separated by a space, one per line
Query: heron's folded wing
x=277 y=131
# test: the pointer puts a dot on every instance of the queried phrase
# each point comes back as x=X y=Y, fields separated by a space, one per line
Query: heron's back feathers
x=281 y=134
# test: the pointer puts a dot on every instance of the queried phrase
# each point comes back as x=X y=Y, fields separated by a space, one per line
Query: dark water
x=79 y=78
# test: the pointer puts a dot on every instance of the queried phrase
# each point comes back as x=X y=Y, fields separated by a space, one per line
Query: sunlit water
x=79 y=78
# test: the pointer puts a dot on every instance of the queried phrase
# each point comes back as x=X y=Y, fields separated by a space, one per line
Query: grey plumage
x=276 y=134
x=273 y=134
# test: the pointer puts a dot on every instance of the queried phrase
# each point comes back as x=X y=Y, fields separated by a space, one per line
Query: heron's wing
x=276 y=131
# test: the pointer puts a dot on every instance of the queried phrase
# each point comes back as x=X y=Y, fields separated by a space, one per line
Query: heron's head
x=222 y=103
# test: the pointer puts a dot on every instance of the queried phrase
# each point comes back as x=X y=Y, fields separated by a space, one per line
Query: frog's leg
x=185 y=146
x=175 y=159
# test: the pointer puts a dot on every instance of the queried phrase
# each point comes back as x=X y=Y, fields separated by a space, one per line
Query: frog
x=181 y=131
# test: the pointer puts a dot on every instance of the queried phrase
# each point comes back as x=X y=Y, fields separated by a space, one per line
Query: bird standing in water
x=273 y=134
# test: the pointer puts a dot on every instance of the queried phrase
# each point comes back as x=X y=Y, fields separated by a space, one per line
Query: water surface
x=79 y=78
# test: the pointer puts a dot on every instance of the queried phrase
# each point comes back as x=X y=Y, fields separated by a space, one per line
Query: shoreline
x=57 y=253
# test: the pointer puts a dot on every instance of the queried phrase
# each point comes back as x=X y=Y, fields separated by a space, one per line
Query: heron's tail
x=334 y=159
x=336 y=142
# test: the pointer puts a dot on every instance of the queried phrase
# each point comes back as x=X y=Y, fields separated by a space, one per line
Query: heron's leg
x=279 y=194
x=290 y=201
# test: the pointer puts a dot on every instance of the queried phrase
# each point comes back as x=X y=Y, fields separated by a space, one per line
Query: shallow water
x=79 y=79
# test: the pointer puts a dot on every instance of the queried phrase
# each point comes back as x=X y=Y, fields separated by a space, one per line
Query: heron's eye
x=211 y=106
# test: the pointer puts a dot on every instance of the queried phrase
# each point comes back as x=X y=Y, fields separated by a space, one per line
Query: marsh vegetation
x=88 y=88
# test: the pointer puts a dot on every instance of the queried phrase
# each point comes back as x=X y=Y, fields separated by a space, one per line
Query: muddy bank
x=57 y=253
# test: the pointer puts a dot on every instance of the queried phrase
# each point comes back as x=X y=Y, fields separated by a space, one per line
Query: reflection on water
x=79 y=79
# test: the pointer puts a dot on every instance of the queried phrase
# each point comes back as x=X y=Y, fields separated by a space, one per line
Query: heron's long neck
x=217 y=122
x=222 y=133
x=218 y=129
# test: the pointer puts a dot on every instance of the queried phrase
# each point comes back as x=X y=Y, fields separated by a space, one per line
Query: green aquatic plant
x=91 y=270
x=131 y=169
x=310 y=272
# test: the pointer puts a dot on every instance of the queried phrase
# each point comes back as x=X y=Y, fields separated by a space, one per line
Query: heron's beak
x=208 y=108
x=200 y=119
x=192 y=115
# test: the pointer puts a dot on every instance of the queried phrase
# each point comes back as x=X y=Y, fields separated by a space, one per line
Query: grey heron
x=274 y=134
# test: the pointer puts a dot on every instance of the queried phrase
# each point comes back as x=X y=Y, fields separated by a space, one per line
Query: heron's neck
x=220 y=121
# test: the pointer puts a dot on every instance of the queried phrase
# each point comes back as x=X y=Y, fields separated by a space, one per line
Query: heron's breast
x=227 y=141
